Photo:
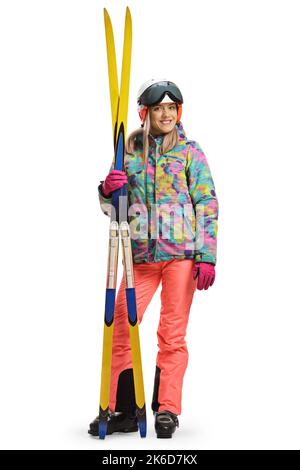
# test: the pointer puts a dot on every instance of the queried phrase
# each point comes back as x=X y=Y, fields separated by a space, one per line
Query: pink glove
x=206 y=273
x=115 y=180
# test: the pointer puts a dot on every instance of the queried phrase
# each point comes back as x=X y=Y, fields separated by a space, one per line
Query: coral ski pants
x=178 y=287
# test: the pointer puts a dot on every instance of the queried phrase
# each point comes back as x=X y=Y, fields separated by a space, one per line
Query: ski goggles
x=155 y=94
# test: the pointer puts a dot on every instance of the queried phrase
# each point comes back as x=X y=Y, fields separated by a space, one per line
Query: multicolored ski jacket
x=172 y=203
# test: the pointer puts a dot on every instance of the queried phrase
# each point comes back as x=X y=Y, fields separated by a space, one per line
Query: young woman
x=173 y=213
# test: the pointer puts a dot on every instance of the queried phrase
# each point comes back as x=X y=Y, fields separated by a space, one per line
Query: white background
x=237 y=64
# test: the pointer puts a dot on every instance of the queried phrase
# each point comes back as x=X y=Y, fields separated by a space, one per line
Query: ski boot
x=117 y=422
x=165 y=424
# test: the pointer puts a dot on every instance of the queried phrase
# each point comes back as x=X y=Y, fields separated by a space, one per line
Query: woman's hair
x=170 y=139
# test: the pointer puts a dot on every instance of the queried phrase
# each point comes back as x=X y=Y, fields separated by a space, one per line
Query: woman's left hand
x=206 y=275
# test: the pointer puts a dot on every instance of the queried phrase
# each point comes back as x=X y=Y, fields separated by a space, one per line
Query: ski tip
x=128 y=13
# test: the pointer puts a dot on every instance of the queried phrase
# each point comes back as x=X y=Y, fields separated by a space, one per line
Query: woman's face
x=162 y=118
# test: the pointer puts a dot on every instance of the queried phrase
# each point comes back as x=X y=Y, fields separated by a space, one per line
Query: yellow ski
x=119 y=226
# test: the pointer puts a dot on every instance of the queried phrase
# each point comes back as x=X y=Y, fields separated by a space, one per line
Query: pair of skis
x=119 y=226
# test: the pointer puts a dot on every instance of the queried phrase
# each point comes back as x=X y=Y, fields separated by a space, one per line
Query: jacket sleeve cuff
x=205 y=258
x=103 y=198
x=105 y=202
